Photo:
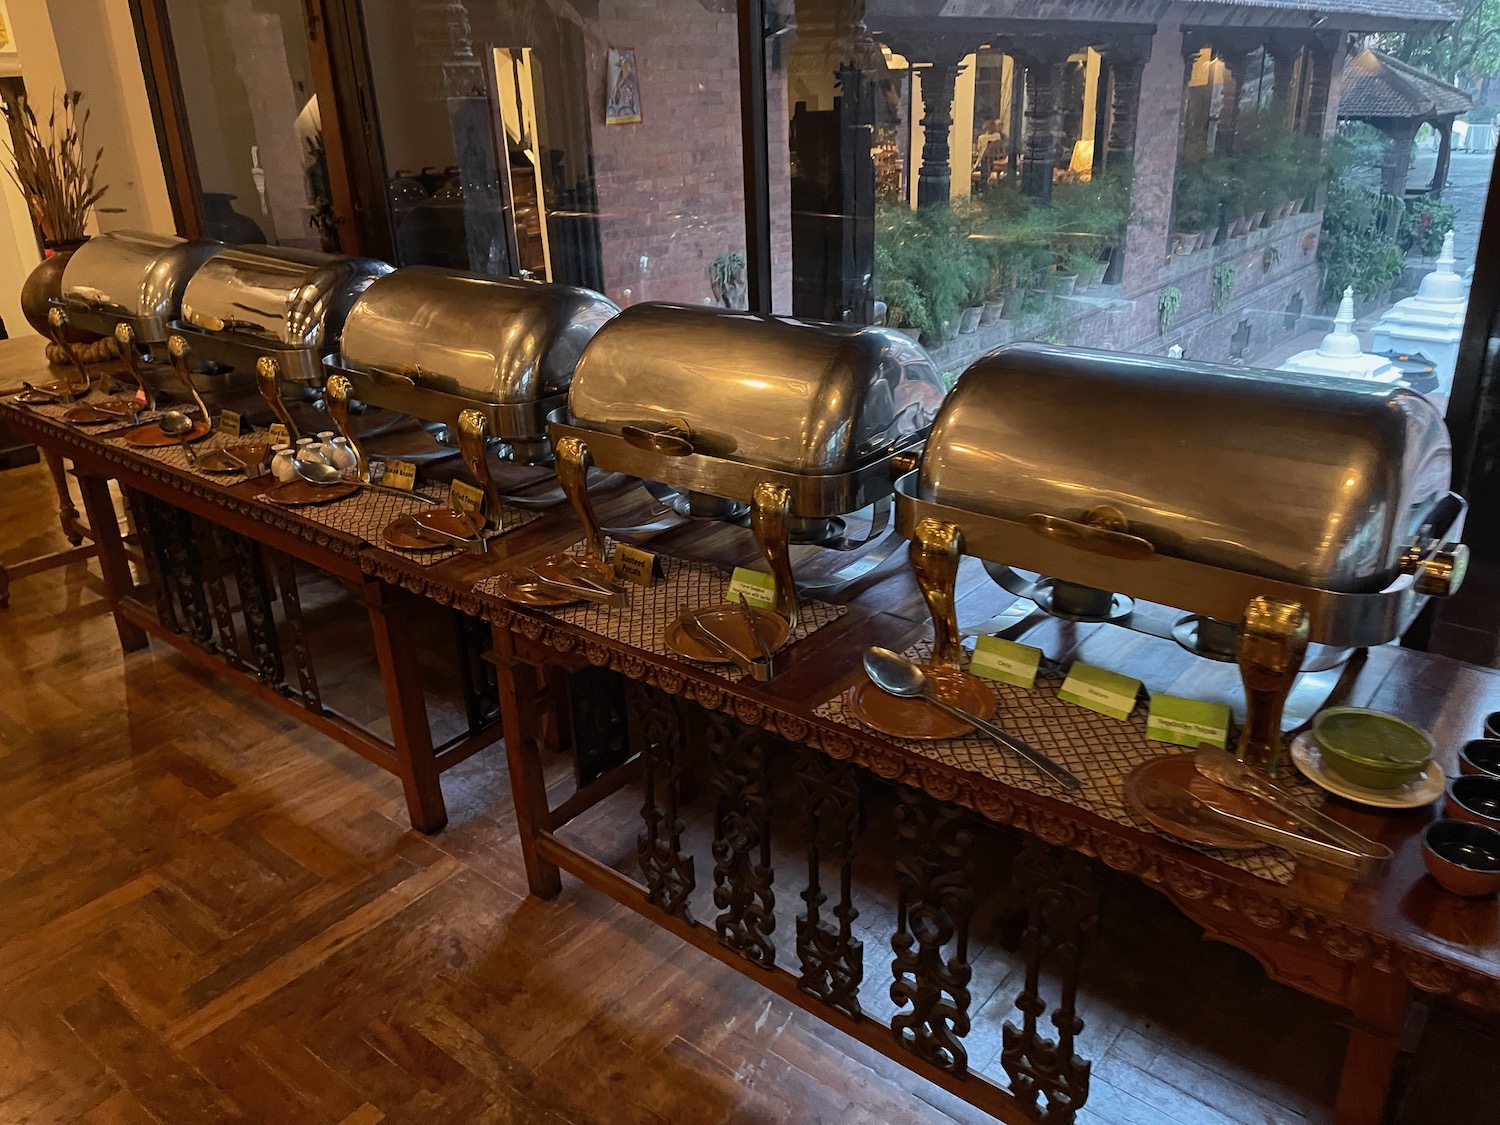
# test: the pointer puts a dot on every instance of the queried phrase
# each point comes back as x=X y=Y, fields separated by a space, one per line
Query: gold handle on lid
x=1103 y=530
x=935 y=552
x=573 y=462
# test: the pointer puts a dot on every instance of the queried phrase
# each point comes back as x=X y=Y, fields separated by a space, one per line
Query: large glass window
x=254 y=119
x=598 y=145
x=1188 y=187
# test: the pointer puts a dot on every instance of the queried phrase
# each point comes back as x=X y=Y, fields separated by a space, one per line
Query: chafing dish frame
x=1277 y=619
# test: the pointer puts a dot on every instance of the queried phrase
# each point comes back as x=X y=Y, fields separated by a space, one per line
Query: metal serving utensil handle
x=57 y=322
x=1273 y=641
x=336 y=394
x=935 y=551
x=1064 y=777
x=125 y=343
x=473 y=443
x=675 y=440
x=268 y=382
x=573 y=461
x=177 y=350
x=770 y=510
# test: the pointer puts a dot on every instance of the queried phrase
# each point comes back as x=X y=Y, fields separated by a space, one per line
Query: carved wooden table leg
x=67 y=514
x=520 y=719
x=1378 y=1004
x=411 y=734
x=114 y=567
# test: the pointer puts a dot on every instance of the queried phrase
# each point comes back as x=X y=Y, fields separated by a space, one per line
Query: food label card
x=635 y=565
x=229 y=423
x=279 y=436
x=399 y=474
x=758 y=587
x=465 y=496
x=1006 y=661
x=1108 y=693
x=1187 y=722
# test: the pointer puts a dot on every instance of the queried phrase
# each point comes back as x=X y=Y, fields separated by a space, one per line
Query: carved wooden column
x=1229 y=100
x=1043 y=125
x=1320 y=86
x=935 y=176
x=1125 y=107
x=1444 y=126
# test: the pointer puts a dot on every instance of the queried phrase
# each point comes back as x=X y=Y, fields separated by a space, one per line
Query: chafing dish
x=1274 y=510
x=266 y=313
x=801 y=422
x=129 y=285
x=484 y=357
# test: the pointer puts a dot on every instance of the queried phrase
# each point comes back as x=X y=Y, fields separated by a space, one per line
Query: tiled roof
x=1377 y=85
x=1376 y=13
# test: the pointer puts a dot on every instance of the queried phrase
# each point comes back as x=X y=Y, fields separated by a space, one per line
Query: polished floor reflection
x=208 y=913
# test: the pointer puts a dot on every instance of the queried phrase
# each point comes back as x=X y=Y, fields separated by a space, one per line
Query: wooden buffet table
x=716 y=764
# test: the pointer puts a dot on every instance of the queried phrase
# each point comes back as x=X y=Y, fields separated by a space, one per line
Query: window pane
x=600 y=149
x=253 y=117
x=1095 y=181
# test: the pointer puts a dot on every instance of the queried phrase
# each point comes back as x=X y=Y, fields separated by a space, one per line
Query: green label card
x=1108 y=693
x=1187 y=722
x=466 y=497
x=758 y=587
x=1010 y=663
x=399 y=474
x=229 y=423
x=636 y=565
x=279 y=436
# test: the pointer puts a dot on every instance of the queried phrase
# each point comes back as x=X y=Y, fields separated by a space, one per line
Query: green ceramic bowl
x=1370 y=748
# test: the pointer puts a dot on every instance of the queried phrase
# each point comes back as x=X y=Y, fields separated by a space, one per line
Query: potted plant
x=906 y=309
x=728 y=282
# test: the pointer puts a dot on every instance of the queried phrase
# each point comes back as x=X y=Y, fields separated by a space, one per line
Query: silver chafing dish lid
x=276 y=296
x=134 y=276
x=486 y=339
x=764 y=390
x=1321 y=482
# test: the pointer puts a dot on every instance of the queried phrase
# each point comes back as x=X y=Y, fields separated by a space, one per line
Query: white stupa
x=1340 y=352
x=1430 y=322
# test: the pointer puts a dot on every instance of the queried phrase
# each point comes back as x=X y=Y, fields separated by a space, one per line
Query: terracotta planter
x=1189 y=240
x=968 y=320
x=914 y=334
x=44 y=285
x=1255 y=219
x=1063 y=284
x=1239 y=227
x=1096 y=275
x=990 y=316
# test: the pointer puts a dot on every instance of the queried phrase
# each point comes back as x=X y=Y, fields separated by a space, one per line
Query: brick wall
x=671 y=189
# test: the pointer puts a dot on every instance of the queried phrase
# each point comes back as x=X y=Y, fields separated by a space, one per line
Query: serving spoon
x=893 y=673
x=174 y=423
x=319 y=472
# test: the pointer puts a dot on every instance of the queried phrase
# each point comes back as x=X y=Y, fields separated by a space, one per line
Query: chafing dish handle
x=125 y=343
x=268 y=381
x=336 y=395
x=177 y=349
x=675 y=440
x=473 y=443
x=573 y=463
x=935 y=551
x=770 y=508
x=57 y=322
x=1102 y=531
x=1273 y=642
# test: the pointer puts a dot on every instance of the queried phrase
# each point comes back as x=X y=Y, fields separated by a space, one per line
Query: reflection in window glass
x=253 y=117
x=597 y=146
x=1212 y=187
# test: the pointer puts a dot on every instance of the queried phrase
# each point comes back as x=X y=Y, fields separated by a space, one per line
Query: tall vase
x=44 y=284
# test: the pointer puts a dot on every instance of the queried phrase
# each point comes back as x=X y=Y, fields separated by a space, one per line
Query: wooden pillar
x=114 y=567
x=1043 y=125
x=1125 y=106
x=1229 y=101
x=935 y=176
x=1398 y=157
x=1444 y=126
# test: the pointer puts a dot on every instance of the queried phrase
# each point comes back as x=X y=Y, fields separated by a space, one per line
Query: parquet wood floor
x=210 y=914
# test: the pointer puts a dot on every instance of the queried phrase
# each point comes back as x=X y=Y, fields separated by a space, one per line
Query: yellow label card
x=469 y=497
x=635 y=565
x=229 y=423
x=279 y=436
x=1010 y=663
x=758 y=587
x=399 y=474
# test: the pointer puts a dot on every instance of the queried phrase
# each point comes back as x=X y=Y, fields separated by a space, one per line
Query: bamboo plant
x=51 y=167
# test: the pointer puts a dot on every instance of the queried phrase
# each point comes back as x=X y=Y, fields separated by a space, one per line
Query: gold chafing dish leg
x=57 y=321
x=572 y=466
x=770 y=509
x=336 y=396
x=473 y=442
x=268 y=382
x=1273 y=641
x=177 y=349
x=125 y=341
x=935 y=551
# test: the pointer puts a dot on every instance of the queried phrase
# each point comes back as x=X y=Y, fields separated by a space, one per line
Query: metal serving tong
x=757 y=668
x=1222 y=767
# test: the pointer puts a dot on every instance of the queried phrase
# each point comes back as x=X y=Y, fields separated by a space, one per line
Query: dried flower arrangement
x=53 y=171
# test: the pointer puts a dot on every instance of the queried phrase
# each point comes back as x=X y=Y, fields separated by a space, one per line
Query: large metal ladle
x=891 y=672
x=320 y=472
x=174 y=423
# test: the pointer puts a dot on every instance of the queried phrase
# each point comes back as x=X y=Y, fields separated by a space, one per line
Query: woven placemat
x=1101 y=751
x=684 y=585
x=57 y=411
x=369 y=511
x=173 y=455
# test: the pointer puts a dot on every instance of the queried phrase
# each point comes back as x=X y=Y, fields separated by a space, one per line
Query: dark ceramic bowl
x=1475 y=798
x=1464 y=858
x=1481 y=756
x=1492 y=725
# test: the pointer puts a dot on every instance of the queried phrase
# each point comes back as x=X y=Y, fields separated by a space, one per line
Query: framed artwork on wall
x=622 y=105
